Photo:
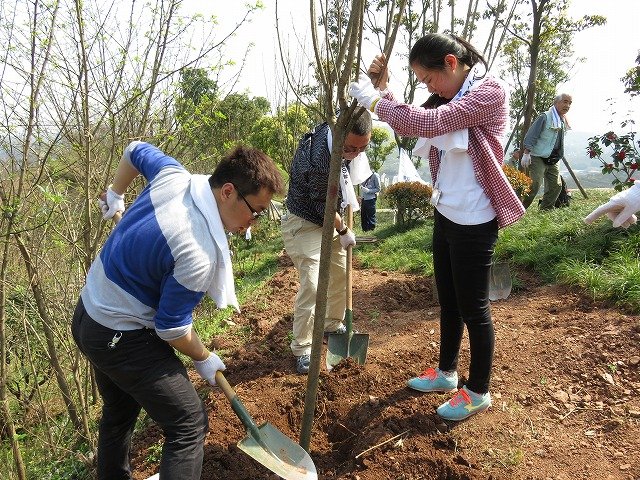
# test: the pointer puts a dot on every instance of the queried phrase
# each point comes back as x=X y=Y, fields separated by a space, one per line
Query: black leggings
x=461 y=263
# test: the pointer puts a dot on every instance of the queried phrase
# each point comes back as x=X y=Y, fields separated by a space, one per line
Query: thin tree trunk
x=38 y=391
x=452 y=4
x=513 y=132
x=49 y=336
x=534 y=50
x=339 y=127
x=5 y=411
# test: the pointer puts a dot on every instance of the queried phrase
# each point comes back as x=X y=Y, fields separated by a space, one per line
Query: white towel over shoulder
x=459 y=139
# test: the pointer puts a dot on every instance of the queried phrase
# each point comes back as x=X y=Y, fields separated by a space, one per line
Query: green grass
x=399 y=249
x=42 y=462
x=561 y=248
x=556 y=244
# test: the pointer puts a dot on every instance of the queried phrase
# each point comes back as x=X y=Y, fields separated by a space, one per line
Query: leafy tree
x=239 y=114
x=553 y=69
x=545 y=33
x=278 y=136
x=380 y=147
x=195 y=84
x=208 y=125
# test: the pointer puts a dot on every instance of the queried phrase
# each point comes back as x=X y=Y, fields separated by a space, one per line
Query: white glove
x=620 y=208
x=114 y=203
x=348 y=238
x=207 y=368
x=364 y=91
x=627 y=223
x=525 y=161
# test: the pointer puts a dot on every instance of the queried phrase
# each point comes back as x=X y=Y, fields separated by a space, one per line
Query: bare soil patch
x=565 y=387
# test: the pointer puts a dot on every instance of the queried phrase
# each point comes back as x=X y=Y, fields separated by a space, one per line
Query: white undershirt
x=462 y=199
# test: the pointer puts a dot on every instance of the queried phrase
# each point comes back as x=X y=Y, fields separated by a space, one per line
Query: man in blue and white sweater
x=135 y=310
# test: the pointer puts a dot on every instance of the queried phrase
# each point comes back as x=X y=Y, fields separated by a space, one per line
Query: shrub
x=624 y=157
x=411 y=200
x=518 y=180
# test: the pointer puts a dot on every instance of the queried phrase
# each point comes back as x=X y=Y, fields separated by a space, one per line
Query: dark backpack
x=565 y=195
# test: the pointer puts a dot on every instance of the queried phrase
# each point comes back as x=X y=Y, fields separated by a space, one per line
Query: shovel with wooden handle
x=348 y=344
x=266 y=444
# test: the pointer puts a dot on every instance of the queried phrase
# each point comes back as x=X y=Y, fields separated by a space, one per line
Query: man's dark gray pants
x=142 y=371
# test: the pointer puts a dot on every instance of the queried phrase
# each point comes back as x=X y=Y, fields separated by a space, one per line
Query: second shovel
x=348 y=344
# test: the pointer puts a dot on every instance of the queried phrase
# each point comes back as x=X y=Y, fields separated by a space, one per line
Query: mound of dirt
x=565 y=388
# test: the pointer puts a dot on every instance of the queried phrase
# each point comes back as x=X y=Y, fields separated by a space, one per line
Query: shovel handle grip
x=228 y=390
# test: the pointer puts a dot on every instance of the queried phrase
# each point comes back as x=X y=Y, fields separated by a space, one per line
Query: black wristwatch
x=343 y=231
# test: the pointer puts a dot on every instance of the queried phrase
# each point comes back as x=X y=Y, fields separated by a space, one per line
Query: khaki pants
x=302 y=240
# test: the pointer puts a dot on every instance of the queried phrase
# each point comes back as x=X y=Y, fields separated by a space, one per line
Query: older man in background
x=543 y=149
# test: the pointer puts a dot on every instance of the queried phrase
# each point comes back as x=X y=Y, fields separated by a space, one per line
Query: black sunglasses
x=254 y=212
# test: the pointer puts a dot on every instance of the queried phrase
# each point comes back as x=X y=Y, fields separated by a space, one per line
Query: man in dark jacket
x=302 y=230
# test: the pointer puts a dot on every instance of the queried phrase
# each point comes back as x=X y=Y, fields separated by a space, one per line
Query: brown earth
x=565 y=387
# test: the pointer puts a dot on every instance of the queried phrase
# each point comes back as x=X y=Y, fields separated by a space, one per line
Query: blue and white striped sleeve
x=148 y=159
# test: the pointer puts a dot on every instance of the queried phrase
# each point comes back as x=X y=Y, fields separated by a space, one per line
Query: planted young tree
x=336 y=48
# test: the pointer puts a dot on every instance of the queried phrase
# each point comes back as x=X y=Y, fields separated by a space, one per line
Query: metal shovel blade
x=345 y=345
x=499 y=281
x=283 y=457
x=267 y=445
